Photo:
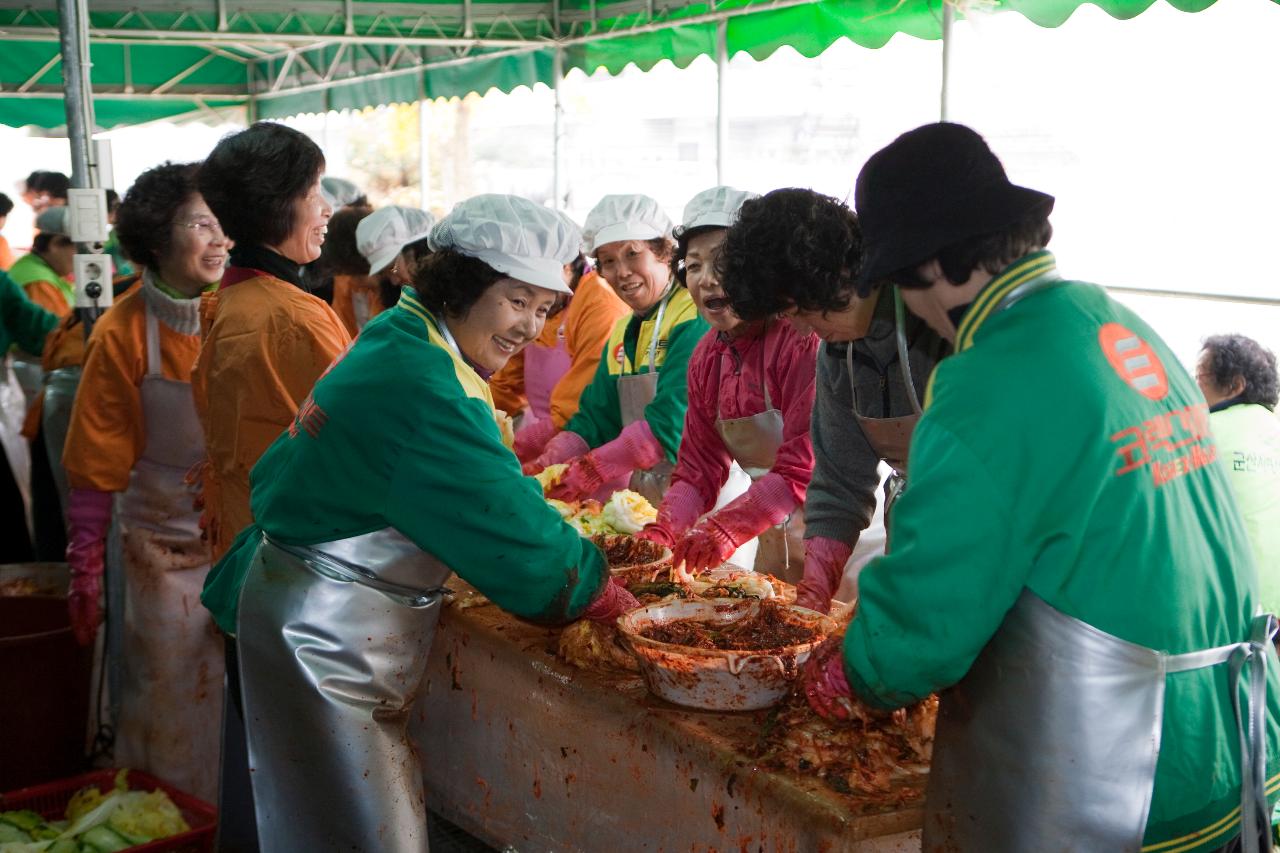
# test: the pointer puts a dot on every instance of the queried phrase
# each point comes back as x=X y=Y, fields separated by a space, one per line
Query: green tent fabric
x=151 y=61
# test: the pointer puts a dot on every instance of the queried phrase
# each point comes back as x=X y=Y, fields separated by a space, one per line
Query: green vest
x=1065 y=450
x=31 y=268
x=400 y=433
x=1248 y=437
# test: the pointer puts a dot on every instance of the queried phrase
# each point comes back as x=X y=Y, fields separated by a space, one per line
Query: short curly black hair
x=253 y=178
x=450 y=283
x=791 y=248
x=6 y=205
x=142 y=225
x=1232 y=357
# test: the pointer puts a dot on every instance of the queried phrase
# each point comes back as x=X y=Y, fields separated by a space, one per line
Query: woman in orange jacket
x=267 y=339
x=133 y=436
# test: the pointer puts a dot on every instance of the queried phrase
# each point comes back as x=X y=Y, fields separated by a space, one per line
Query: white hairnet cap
x=54 y=220
x=382 y=234
x=339 y=192
x=717 y=207
x=624 y=217
x=518 y=238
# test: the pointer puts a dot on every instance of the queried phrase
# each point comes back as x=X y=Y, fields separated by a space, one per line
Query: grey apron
x=635 y=392
x=171 y=659
x=59 y=393
x=333 y=641
x=890 y=438
x=1057 y=720
x=753 y=442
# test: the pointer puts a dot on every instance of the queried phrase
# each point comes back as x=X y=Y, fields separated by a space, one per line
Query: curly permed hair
x=790 y=248
x=449 y=282
x=146 y=214
x=1236 y=356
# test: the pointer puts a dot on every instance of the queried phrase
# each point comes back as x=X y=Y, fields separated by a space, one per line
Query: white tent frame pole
x=948 y=20
x=722 y=117
x=557 y=132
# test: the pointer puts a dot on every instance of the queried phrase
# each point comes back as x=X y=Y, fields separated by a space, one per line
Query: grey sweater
x=841 y=497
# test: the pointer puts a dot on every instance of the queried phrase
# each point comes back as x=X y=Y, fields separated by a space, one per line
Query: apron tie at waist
x=1250 y=724
x=338 y=569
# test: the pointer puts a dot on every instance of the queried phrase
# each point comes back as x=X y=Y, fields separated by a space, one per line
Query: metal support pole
x=74 y=43
x=722 y=118
x=557 y=148
x=948 y=19
x=424 y=155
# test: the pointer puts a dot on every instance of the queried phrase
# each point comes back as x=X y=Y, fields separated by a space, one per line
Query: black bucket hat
x=929 y=188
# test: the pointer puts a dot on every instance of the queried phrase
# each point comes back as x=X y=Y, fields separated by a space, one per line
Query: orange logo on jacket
x=1134 y=361
x=620 y=354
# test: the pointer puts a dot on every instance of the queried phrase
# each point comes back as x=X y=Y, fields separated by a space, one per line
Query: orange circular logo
x=1134 y=361
x=620 y=354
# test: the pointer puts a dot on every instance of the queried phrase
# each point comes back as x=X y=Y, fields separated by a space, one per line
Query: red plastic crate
x=51 y=798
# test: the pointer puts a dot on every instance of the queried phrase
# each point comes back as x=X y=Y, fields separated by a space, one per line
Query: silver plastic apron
x=59 y=393
x=753 y=442
x=17 y=450
x=635 y=392
x=172 y=658
x=333 y=642
x=1051 y=739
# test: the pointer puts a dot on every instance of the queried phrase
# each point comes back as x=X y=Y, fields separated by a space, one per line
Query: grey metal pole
x=722 y=118
x=948 y=19
x=424 y=155
x=557 y=133
x=74 y=42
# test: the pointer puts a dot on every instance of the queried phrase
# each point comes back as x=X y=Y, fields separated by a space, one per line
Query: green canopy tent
x=154 y=59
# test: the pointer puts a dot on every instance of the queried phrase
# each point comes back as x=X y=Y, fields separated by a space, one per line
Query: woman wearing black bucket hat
x=1068 y=557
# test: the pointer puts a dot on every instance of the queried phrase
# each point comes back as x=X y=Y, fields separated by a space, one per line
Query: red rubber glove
x=714 y=539
x=532 y=439
x=612 y=602
x=705 y=546
x=88 y=518
x=824 y=561
x=658 y=533
x=824 y=682
x=635 y=447
x=680 y=508
x=566 y=445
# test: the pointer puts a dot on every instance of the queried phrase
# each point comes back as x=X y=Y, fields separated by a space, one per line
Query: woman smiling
x=268 y=340
x=334 y=598
x=632 y=413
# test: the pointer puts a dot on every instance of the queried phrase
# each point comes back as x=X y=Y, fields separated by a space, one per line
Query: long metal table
x=530 y=754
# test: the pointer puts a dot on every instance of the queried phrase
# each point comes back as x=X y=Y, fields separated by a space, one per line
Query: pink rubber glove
x=88 y=519
x=565 y=446
x=680 y=508
x=714 y=539
x=611 y=603
x=635 y=447
x=657 y=533
x=532 y=439
x=824 y=561
x=824 y=682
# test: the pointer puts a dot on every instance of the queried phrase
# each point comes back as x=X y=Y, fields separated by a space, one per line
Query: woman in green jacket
x=360 y=517
x=631 y=417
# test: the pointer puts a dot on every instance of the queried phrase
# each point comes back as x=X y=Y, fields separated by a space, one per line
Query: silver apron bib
x=171 y=662
x=333 y=642
x=635 y=392
x=17 y=450
x=59 y=393
x=1057 y=720
x=753 y=442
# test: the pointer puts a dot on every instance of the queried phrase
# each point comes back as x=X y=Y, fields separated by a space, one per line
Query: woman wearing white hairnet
x=333 y=600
